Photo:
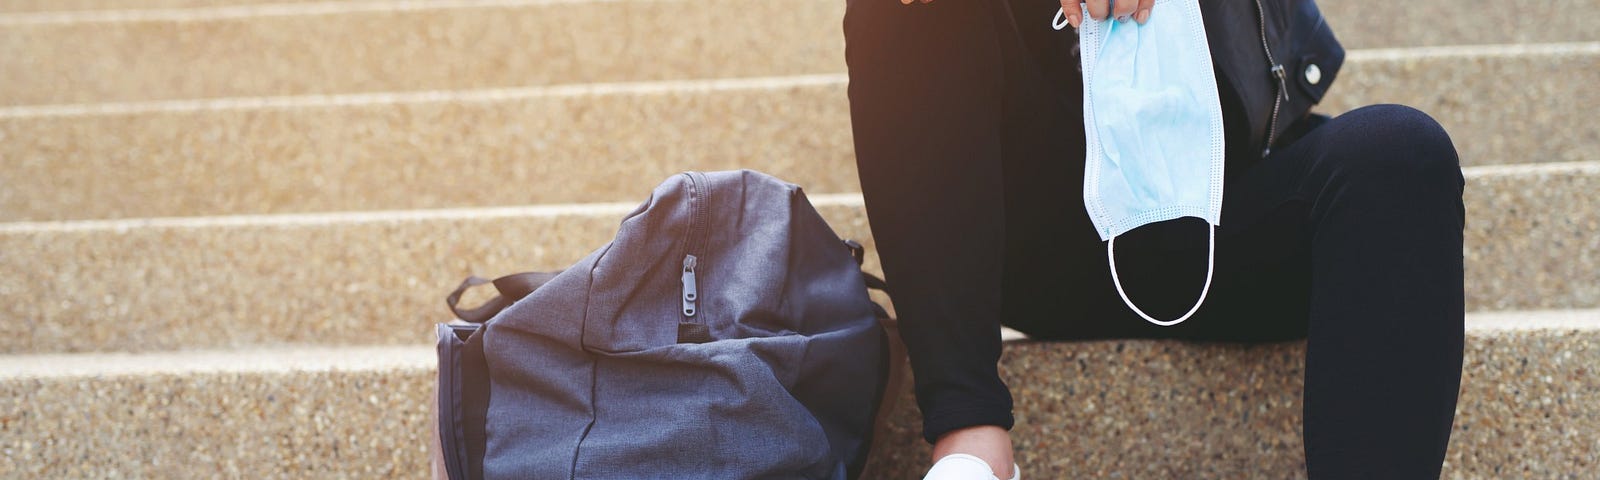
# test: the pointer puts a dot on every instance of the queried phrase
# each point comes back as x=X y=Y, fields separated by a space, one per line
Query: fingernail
x=1075 y=20
x=1142 y=16
x=1122 y=19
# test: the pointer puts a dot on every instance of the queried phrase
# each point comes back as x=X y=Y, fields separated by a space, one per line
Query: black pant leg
x=926 y=88
x=1352 y=237
x=1383 y=366
x=1300 y=251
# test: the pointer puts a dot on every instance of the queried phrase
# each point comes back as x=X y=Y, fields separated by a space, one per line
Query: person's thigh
x=1046 y=225
x=1260 y=288
x=1057 y=281
x=1259 y=291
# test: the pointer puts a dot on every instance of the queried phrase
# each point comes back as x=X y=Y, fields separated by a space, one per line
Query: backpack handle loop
x=511 y=288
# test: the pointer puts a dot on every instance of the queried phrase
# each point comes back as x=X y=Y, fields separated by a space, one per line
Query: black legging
x=967 y=117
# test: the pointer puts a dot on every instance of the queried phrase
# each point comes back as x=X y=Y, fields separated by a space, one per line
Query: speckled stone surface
x=346 y=413
x=1501 y=105
x=1138 y=409
x=1151 y=409
x=542 y=146
x=20 y=6
x=1533 y=236
x=1532 y=241
x=522 y=43
x=1374 y=24
x=417 y=154
x=239 y=282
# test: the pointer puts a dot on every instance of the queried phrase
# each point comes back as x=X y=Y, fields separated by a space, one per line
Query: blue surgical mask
x=1154 y=128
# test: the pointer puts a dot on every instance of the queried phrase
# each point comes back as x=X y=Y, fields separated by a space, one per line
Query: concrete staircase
x=226 y=225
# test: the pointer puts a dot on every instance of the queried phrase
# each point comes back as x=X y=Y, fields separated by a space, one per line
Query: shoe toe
x=961 y=466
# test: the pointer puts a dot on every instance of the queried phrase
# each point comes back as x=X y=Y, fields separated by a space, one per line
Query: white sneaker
x=960 y=466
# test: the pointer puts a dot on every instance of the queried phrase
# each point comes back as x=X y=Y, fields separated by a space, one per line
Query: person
x=967 y=118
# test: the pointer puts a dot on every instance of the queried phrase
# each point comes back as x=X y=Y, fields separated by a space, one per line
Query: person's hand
x=1137 y=10
x=908 y=2
x=988 y=442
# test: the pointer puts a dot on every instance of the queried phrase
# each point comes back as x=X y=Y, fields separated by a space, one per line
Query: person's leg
x=1383 y=362
x=935 y=103
x=926 y=97
x=1351 y=236
x=1352 y=233
x=1056 y=279
x=1376 y=195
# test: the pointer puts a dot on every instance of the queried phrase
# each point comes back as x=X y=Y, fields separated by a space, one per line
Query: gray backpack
x=725 y=333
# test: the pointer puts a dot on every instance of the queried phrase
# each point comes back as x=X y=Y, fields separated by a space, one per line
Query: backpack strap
x=897 y=362
x=860 y=254
x=511 y=287
x=873 y=283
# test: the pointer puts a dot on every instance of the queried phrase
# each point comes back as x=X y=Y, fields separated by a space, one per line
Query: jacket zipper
x=1278 y=73
x=690 y=292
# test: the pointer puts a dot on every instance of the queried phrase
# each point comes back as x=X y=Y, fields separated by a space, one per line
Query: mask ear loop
x=1211 y=257
x=1060 y=21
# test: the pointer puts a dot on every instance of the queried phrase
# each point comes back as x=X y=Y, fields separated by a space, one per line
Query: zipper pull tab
x=1283 y=82
x=691 y=291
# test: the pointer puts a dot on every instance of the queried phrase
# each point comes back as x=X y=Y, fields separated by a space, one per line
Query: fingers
x=1142 y=14
x=1099 y=9
x=1122 y=9
x=1073 y=11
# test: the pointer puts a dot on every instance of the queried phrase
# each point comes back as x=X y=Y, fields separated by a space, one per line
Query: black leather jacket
x=1274 y=59
x=1305 y=59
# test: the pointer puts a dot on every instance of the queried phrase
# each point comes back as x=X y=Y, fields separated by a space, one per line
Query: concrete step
x=378 y=278
x=399 y=45
x=123 y=7
x=154 y=49
x=1485 y=96
x=606 y=142
x=1160 y=409
x=583 y=143
x=1131 y=409
x=356 y=278
x=279 y=413
x=1369 y=24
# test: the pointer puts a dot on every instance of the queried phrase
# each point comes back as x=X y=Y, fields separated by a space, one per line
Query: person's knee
x=1396 y=143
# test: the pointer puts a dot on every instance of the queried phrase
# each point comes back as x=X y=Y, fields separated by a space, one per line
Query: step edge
x=1487 y=50
x=1531 y=169
x=271 y=10
x=362 y=217
x=1494 y=322
x=847 y=199
x=651 y=87
x=486 y=95
x=422 y=357
x=241 y=361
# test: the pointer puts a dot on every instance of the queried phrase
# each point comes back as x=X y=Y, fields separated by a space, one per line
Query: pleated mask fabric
x=1153 y=121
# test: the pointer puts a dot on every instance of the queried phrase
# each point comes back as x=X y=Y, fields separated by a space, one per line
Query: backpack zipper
x=1278 y=73
x=690 y=292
